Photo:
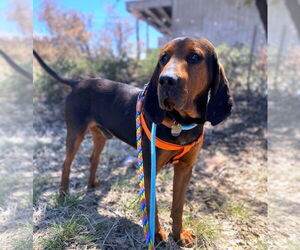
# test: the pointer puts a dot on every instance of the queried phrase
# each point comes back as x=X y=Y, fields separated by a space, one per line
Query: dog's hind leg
x=99 y=142
x=74 y=139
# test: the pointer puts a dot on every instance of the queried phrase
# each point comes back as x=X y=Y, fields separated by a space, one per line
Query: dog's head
x=187 y=71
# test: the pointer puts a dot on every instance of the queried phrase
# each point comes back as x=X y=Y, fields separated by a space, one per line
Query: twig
x=109 y=232
x=223 y=169
x=110 y=210
x=130 y=239
x=110 y=245
x=85 y=216
x=140 y=242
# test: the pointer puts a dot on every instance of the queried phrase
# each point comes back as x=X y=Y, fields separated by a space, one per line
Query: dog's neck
x=174 y=117
x=165 y=129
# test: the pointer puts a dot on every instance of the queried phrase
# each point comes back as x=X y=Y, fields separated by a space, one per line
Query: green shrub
x=120 y=69
x=15 y=87
x=46 y=88
x=146 y=66
x=236 y=60
x=125 y=69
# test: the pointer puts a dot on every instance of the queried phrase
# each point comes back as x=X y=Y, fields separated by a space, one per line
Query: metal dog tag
x=176 y=129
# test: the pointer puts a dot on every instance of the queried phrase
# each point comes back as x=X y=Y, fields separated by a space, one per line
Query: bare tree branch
x=262 y=8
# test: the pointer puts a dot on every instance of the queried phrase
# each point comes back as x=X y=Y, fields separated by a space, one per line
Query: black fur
x=151 y=105
x=220 y=103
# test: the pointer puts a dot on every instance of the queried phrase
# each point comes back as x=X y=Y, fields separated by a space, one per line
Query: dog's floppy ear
x=220 y=102
x=151 y=105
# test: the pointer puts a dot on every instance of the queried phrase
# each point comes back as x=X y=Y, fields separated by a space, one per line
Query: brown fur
x=194 y=79
x=107 y=109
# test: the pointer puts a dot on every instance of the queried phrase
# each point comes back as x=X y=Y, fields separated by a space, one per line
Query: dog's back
x=103 y=107
x=93 y=100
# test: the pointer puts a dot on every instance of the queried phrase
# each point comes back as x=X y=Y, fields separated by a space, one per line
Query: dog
x=188 y=86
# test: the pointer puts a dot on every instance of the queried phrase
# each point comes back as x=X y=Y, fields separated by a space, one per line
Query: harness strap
x=183 y=149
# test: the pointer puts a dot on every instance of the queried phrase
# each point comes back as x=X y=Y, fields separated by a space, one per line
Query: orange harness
x=183 y=149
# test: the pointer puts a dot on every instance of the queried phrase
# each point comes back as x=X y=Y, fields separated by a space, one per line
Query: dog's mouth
x=171 y=99
x=168 y=104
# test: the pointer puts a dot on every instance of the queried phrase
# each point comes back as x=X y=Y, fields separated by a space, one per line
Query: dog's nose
x=168 y=80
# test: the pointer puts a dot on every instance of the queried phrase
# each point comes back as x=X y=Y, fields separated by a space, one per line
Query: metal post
x=138 y=45
x=147 y=37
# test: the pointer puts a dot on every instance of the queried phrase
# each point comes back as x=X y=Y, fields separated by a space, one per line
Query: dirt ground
x=226 y=203
x=16 y=141
x=283 y=170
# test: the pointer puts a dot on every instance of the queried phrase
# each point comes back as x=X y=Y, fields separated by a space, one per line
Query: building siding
x=220 y=21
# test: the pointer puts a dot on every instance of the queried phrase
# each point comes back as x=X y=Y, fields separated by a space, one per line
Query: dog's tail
x=15 y=66
x=59 y=78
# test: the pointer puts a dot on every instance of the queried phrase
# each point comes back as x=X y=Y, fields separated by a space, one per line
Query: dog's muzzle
x=169 y=92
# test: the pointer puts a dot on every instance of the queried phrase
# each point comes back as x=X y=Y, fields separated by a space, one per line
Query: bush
x=283 y=70
x=15 y=87
x=47 y=89
x=236 y=62
x=147 y=66
x=128 y=70
x=120 y=69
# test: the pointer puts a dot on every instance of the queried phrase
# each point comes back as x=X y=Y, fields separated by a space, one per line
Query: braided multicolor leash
x=148 y=221
x=142 y=197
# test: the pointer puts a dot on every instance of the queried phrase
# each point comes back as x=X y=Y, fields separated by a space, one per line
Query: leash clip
x=140 y=98
x=142 y=93
x=139 y=104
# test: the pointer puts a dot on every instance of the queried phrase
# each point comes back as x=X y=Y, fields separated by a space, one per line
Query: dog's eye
x=193 y=58
x=164 y=59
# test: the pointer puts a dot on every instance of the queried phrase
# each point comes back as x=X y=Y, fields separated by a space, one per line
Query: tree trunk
x=262 y=8
x=138 y=45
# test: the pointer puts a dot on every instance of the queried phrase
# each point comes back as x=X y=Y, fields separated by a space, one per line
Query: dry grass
x=15 y=165
x=225 y=204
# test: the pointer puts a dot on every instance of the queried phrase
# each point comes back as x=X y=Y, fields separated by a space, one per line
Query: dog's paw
x=94 y=183
x=185 y=238
x=161 y=235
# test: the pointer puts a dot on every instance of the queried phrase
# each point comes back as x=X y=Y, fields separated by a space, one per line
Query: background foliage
x=76 y=52
x=128 y=70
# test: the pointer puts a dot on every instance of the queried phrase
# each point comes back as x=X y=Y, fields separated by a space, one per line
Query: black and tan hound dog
x=188 y=86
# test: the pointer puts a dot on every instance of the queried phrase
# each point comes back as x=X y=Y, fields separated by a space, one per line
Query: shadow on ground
x=227 y=189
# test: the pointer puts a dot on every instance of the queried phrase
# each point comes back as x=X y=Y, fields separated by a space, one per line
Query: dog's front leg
x=182 y=175
x=160 y=234
x=181 y=179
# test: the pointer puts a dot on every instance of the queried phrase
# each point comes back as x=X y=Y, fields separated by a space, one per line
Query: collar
x=168 y=122
x=183 y=149
x=173 y=125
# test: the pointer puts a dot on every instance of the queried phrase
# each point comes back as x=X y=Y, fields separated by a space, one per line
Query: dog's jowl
x=188 y=86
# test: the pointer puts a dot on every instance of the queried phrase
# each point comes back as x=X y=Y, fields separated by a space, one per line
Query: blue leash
x=153 y=178
x=153 y=183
